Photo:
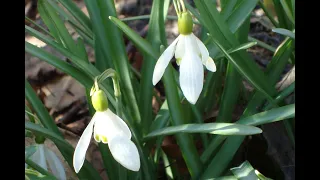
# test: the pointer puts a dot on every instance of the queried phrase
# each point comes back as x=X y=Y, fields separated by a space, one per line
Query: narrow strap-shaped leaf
x=46 y=120
x=211 y=128
x=77 y=13
x=284 y=32
x=59 y=26
x=287 y=10
x=156 y=23
x=244 y=172
x=254 y=82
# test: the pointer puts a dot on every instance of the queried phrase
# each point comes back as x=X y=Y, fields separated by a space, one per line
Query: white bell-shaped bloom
x=45 y=158
x=108 y=128
x=191 y=54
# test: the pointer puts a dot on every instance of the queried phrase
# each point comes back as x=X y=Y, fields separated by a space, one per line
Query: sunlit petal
x=191 y=75
x=163 y=62
x=111 y=126
x=83 y=144
x=125 y=152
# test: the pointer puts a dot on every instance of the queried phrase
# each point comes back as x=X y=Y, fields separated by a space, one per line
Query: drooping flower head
x=110 y=129
x=46 y=159
x=190 y=53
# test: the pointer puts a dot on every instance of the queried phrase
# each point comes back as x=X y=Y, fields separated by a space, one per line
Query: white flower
x=108 y=128
x=44 y=157
x=191 y=54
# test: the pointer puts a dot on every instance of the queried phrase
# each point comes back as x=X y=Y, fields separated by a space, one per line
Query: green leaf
x=245 y=72
x=240 y=14
x=77 y=13
x=46 y=120
x=244 y=46
x=155 y=25
x=211 y=128
x=231 y=145
x=58 y=25
x=38 y=26
x=262 y=44
x=244 y=172
x=273 y=115
x=287 y=10
x=137 y=40
x=284 y=32
x=223 y=35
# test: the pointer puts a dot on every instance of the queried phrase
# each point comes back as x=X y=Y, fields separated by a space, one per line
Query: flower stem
x=183 y=6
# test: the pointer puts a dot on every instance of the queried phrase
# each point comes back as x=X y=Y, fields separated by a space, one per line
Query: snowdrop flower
x=191 y=54
x=109 y=129
x=45 y=158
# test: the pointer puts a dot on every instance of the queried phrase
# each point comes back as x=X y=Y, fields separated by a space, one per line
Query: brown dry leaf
x=287 y=79
x=62 y=93
x=38 y=70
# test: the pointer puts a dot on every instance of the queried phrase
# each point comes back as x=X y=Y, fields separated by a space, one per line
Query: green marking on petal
x=104 y=139
x=178 y=61
x=97 y=138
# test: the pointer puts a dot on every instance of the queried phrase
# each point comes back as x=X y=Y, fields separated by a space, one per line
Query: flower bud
x=99 y=101
x=39 y=139
x=185 y=23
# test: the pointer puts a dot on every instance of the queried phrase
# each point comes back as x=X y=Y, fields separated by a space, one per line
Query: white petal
x=179 y=52
x=203 y=50
x=191 y=40
x=111 y=125
x=39 y=157
x=191 y=75
x=163 y=62
x=125 y=152
x=82 y=146
x=210 y=65
x=55 y=164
